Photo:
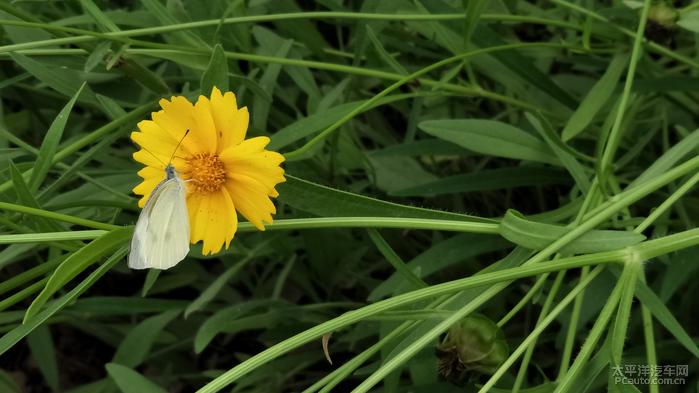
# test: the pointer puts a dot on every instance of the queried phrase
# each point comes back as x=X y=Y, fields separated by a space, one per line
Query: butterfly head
x=170 y=171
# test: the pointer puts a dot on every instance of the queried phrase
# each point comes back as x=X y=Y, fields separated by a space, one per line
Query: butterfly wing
x=161 y=236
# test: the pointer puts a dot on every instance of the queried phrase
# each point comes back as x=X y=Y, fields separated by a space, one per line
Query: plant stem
x=605 y=165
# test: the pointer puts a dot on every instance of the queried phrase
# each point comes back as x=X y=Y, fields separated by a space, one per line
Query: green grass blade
x=385 y=56
x=564 y=153
x=137 y=344
x=663 y=315
x=216 y=74
x=44 y=354
x=76 y=263
x=130 y=381
x=49 y=145
x=215 y=287
x=12 y=337
x=328 y=202
x=100 y=17
x=595 y=99
x=672 y=156
x=64 y=80
x=395 y=260
x=488 y=180
x=535 y=235
x=491 y=138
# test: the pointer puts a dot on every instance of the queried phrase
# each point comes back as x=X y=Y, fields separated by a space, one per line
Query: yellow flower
x=224 y=171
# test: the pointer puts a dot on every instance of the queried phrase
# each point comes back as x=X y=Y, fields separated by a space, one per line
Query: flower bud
x=474 y=344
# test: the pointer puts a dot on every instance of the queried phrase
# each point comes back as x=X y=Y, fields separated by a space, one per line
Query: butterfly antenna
x=154 y=156
x=178 y=145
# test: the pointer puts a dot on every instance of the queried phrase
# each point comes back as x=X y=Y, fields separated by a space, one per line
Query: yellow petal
x=239 y=127
x=244 y=149
x=250 y=159
x=152 y=128
x=176 y=118
x=231 y=122
x=145 y=189
x=148 y=159
x=212 y=220
x=207 y=137
x=196 y=231
x=150 y=172
x=233 y=225
x=251 y=200
x=259 y=167
x=159 y=147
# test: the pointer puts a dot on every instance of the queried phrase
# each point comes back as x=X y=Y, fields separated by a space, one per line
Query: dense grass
x=520 y=170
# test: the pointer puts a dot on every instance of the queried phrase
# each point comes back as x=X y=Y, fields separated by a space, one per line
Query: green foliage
x=554 y=137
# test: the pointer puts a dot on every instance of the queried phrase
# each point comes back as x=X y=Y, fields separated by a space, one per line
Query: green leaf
x=389 y=173
x=490 y=137
x=49 y=145
x=317 y=122
x=633 y=4
x=590 y=371
x=274 y=46
x=214 y=288
x=105 y=24
x=487 y=180
x=64 y=80
x=664 y=83
x=665 y=162
x=424 y=147
x=30 y=324
x=441 y=255
x=680 y=272
x=485 y=36
x=660 y=311
x=76 y=263
x=103 y=385
x=385 y=56
x=151 y=277
x=536 y=236
x=474 y=9
x=8 y=383
x=302 y=30
x=141 y=74
x=137 y=344
x=24 y=195
x=44 y=354
x=216 y=74
x=221 y=319
x=20 y=186
x=97 y=55
x=689 y=21
x=596 y=98
x=20 y=34
x=163 y=15
x=328 y=202
x=130 y=381
x=564 y=153
x=118 y=305
x=305 y=80
x=395 y=260
x=111 y=108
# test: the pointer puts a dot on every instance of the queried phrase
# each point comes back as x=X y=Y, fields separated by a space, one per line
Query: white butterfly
x=161 y=237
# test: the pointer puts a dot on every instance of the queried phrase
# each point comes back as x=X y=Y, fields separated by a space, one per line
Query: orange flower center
x=206 y=172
